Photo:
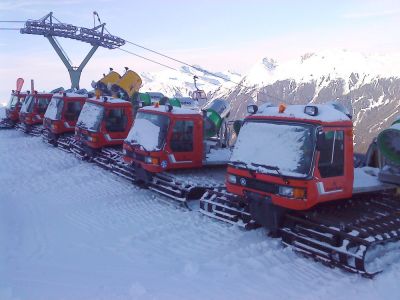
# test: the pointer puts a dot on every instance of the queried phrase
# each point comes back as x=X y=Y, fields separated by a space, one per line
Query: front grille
x=134 y=155
x=258 y=185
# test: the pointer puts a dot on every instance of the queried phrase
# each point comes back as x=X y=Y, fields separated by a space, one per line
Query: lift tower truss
x=94 y=36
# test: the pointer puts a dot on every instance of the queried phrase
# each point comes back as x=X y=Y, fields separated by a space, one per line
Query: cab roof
x=175 y=110
x=327 y=113
x=109 y=101
x=70 y=95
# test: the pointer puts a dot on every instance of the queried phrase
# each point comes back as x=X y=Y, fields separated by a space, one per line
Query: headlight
x=92 y=139
x=232 y=178
x=286 y=191
x=147 y=160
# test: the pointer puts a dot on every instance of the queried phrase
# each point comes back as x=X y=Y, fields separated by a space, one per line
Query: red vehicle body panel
x=166 y=159
x=103 y=137
x=66 y=123
x=13 y=113
x=35 y=116
x=317 y=189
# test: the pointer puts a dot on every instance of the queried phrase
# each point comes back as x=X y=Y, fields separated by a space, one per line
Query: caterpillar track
x=7 y=123
x=35 y=130
x=352 y=234
x=173 y=185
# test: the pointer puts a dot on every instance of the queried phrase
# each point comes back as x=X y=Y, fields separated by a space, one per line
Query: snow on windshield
x=53 y=111
x=144 y=133
x=91 y=116
x=27 y=105
x=288 y=147
x=13 y=101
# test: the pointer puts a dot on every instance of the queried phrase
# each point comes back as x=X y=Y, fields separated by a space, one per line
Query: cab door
x=116 y=123
x=334 y=179
x=183 y=144
x=71 y=111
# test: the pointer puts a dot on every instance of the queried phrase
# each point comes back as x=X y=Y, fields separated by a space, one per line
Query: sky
x=219 y=35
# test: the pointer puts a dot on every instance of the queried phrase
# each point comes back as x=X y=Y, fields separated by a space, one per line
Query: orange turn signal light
x=299 y=193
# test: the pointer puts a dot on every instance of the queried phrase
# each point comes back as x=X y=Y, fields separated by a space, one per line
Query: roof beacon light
x=252 y=109
x=168 y=107
x=156 y=104
x=311 y=110
x=282 y=108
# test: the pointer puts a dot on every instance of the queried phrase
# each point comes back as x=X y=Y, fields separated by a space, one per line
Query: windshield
x=13 y=101
x=27 y=106
x=149 y=131
x=54 y=109
x=91 y=116
x=275 y=148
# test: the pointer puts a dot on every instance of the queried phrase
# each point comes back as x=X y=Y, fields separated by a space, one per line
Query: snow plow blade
x=361 y=235
x=223 y=206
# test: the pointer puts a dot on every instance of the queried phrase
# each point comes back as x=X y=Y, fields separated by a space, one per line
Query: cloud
x=371 y=14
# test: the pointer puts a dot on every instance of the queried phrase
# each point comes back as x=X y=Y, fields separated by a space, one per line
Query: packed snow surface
x=144 y=133
x=70 y=230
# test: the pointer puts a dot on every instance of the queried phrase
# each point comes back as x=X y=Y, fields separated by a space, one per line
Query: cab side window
x=116 y=120
x=182 y=136
x=42 y=105
x=73 y=111
x=331 y=160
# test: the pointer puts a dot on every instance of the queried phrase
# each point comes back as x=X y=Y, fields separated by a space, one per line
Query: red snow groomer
x=292 y=171
x=167 y=138
x=105 y=121
x=32 y=112
x=61 y=117
x=12 y=109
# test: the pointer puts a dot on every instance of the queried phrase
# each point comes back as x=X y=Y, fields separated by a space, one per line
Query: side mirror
x=252 y=109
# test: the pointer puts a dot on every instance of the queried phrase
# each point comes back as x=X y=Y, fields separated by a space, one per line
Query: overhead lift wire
x=148 y=59
x=155 y=52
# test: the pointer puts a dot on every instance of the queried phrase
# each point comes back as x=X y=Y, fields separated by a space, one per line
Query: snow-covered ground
x=70 y=230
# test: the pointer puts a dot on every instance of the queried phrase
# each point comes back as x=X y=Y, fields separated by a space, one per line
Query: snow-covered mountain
x=369 y=85
x=179 y=83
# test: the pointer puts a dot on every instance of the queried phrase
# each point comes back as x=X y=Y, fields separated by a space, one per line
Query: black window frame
x=332 y=154
x=178 y=141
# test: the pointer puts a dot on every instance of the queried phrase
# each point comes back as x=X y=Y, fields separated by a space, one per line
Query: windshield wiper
x=237 y=163
x=136 y=143
x=273 y=168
